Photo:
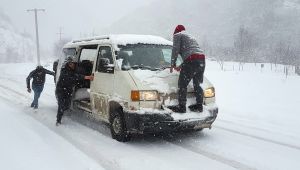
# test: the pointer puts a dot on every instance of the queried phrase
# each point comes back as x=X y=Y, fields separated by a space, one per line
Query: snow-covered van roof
x=120 y=39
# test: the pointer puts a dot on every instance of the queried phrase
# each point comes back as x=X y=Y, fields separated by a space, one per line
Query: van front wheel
x=118 y=127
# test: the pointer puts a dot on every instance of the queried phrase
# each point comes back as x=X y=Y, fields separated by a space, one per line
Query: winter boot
x=196 y=108
x=32 y=105
x=178 y=108
x=58 y=120
x=35 y=106
x=58 y=123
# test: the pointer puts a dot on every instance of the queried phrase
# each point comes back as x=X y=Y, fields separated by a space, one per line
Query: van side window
x=87 y=54
x=104 y=59
x=69 y=51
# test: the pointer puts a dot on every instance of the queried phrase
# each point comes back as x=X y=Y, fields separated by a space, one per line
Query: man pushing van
x=193 y=67
x=65 y=84
x=39 y=77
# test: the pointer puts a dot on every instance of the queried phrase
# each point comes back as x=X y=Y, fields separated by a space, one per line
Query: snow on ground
x=257 y=128
x=260 y=100
x=27 y=144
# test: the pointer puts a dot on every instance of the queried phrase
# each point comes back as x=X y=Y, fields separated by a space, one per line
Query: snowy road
x=246 y=142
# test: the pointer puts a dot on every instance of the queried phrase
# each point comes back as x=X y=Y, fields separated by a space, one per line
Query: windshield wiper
x=135 y=67
x=144 y=67
x=164 y=67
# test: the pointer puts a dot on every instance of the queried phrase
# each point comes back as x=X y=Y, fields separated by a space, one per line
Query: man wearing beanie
x=192 y=68
x=64 y=88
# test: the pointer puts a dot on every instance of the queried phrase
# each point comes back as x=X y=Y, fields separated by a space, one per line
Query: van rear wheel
x=118 y=127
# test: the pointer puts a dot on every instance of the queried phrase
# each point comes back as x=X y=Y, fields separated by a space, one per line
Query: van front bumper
x=158 y=123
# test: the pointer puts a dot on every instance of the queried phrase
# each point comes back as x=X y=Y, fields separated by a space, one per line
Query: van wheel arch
x=117 y=123
x=113 y=106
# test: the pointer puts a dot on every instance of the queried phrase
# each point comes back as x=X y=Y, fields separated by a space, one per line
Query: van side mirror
x=105 y=66
x=103 y=62
x=55 y=64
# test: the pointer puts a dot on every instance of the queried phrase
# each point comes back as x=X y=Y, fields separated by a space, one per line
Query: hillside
x=201 y=17
x=271 y=24
x=14 y=46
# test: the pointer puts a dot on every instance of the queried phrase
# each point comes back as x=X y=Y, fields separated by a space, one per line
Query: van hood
x=162 y=80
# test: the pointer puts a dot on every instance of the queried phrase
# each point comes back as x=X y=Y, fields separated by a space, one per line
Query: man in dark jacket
x=193 y=67
x=65 y=84
x=38 y=75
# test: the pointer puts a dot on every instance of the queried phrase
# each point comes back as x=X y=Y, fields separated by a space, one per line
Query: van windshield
x=145 y=56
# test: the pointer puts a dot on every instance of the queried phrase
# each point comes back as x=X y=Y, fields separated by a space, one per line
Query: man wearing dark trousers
x=65 y=84
x=38 y=75
x=192 y=68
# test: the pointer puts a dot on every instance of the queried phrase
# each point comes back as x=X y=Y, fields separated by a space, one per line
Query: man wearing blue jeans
x=38 y=75
x=192 y=68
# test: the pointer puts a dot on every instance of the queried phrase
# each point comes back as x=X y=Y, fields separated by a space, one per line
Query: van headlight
x=144 y=95
x=209 y=92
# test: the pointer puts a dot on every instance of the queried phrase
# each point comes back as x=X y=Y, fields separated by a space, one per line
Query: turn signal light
x=135 y=95
x=144 y=95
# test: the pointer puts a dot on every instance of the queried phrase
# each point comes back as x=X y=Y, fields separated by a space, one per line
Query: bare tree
x=244 y=45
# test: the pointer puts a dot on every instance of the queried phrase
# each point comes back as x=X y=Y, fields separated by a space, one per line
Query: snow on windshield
x=145 y=56
x=162 y=81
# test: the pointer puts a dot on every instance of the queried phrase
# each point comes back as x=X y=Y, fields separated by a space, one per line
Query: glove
x=178 y=69
x=29 y=90
x=91 y=77
x=171 y=69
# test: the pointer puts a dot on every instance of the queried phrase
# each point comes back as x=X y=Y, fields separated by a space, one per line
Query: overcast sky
x=76 y=17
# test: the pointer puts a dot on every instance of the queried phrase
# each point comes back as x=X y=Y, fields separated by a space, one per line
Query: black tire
x=118 y=127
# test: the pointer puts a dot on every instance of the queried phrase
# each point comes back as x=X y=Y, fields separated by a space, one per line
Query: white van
x=133 y=85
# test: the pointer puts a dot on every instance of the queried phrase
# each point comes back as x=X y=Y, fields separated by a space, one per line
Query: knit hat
x=70 y=59
x=179 y=28
x=39 y=67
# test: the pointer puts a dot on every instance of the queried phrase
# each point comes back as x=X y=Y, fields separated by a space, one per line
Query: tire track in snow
x=19 y=84
x=259 y=138
x=14 y=91
x=88 y=151
x=247 y=125
x=213 y=156
x=111 y=165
